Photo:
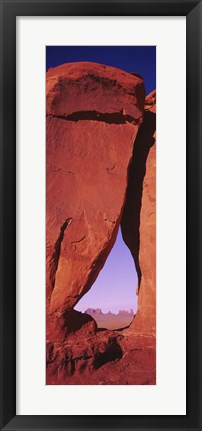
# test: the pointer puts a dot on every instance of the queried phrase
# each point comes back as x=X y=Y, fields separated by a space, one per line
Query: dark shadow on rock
x=130 y=222
x=109 y=118
x=112 y=352
x=74 y=320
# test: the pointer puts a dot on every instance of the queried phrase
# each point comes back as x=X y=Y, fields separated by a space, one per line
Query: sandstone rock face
x=104 y=358
x=139 y=218
x=89 y=88
x=146 y=317
x=61 y=326
x=93 y=116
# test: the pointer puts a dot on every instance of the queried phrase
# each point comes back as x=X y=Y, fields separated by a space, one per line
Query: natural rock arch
x=95 y=155
x=87 y=172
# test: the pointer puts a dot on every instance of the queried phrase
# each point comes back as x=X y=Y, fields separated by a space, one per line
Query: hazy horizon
x=116 y=314
x=115 y=286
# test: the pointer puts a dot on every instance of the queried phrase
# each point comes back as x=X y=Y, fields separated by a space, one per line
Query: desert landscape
x=100 y=175
x=110 y=320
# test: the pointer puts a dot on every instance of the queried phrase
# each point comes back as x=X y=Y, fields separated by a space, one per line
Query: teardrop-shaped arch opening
x=112 y=300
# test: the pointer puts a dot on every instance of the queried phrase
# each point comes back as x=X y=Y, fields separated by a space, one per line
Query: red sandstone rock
x=105 y=358
x=85 y=197
x=150 y=102
x=93 y=115
x=139 y=219
x=91 y=87
x=61 y=325
x=146 y=315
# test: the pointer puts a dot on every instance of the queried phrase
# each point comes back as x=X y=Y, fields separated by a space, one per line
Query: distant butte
x=98 y=312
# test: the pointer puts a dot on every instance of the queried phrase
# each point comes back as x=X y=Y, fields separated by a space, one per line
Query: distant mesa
x=126 y=312
x=110 y=320
x=97 y=312
x=94 y=311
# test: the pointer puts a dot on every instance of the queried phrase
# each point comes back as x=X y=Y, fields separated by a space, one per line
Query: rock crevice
x=56 y=254
x=130 y=222
x=109 y=118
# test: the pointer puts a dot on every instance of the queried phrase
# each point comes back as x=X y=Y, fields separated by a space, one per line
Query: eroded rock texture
x=139 y=218
x=146 y=316
x=94 y=113
x=104 y=358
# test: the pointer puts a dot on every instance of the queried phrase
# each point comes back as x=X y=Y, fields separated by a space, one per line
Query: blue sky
x=116 y=284
x=141 y=59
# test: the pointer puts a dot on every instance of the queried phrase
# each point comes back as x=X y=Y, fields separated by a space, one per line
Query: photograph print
x=101 y=215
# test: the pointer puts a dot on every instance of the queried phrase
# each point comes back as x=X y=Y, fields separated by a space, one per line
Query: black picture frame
x=9 y=11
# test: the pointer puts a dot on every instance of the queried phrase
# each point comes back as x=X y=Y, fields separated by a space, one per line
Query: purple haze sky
x=116 y=284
